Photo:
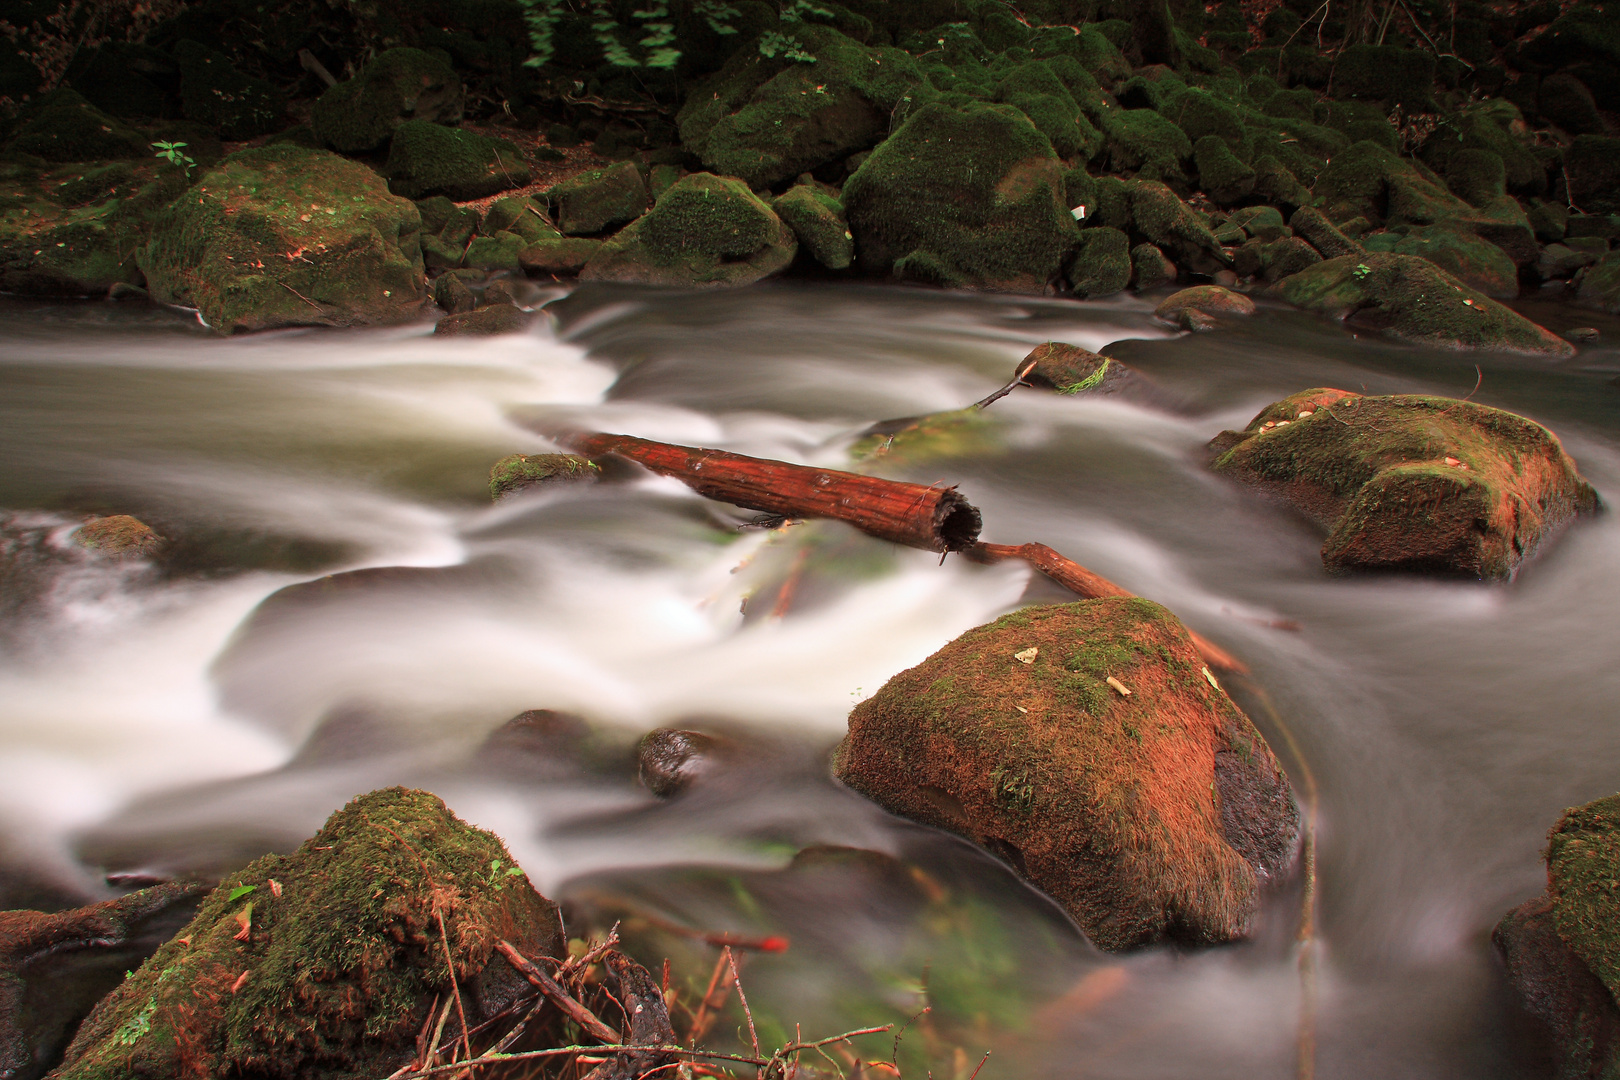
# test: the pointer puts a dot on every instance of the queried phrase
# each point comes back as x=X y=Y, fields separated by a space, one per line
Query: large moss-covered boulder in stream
x=360 y=115
x=1477 y=263
x=705 y=231
x=328 y=961
x=767 y=119
x=431 y=159
x=1410 y=482
x=976 y=189
x=1411 y=298
x=1562 y=949
x=285 y=236
x=1153 y=815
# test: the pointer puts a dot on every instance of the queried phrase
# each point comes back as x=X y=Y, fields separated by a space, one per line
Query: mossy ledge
x=326 y=961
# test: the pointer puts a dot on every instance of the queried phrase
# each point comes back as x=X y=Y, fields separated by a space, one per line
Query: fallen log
x=931 y=518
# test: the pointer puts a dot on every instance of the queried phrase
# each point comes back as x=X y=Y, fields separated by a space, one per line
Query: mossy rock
x=817 y=219
x=1369 y=181
x=425 y=158
x=519 y=215
x=1409 y=482
x=1559 y=989
x=120 y=535
x=1142 y=142
x=519 y=472
x=63 y=126
x=1600 y=285
x=1101 y=263
x=1477 y=176
x=1408 y=297
x=1286 y=257
x=1477 y=263
x=1069 y=369
x=343 y=949
x=978 y=189
x=1387 y=74
x=1276 y=184
x=1583 y=869
x=215 y=93
x=1261 y=222
x=596 y=201
x=361 y=114
x=1035 y=89
x=1175 y=227
x=1041 y=761
x=1495 y=126
x=1592 y=163
x=284 y=236
x=1202 y=307
x=768 y=119
x=501 y=253
x=488 y=321
x=704 y=231
x=1567 y=102
x=956 y=433
x=564 y=255
x=1223 y=177
x=1308 y=222
x=1151 y=268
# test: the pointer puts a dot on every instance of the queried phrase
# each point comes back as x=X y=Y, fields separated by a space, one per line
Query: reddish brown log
x=931 y=518
x=1087 y=585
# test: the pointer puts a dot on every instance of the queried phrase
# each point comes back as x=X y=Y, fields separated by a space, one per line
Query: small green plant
x=773 y=42
x=1013 y=791
x=130 y=1031
x=1361 y=271
x=174 y=153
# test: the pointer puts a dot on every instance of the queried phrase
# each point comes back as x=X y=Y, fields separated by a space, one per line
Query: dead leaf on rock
x=1027 y=656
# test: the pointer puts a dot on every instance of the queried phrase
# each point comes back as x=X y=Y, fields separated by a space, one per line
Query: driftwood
x=931 y=518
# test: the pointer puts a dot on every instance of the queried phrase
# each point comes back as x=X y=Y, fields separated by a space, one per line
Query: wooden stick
x=559 y=997
x=931 y=518
x=1090 y=586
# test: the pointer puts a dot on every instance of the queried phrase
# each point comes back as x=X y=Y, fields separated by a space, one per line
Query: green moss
x=1369 y=181
x=769 y=119
x=1175 y=227
x=500 y=253
x=1494 y=126
x=1222 y=176
x=1101 y=264
x=519 y=215
x=426 y=158
x=1309 y=223
x=1600 y=285
x=969 y=432
x=214 y=92
x=705 y=230
x=1113 y=210
x=1477 y=263
x=817 y=219
x=399 y=85
x=1275 y=183
x=1583 y=882
x=563 y=255
x=1261 y=222
x=1200 y=113
x=979 y=188
x=63 y=126
x=599 y=200
x=436 y=213
x=519 y=471
x=1151 y=268
x=343 y=949
x=1141 y=141
x=284 y=236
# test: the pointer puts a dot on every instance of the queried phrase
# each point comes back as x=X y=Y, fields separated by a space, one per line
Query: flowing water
x=164 y=718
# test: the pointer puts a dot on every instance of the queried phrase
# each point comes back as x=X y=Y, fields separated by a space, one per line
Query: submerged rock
x=328 y=961
x=286 y=236
x=1562 y=949
x=119 y=534
x=705 y=230
x=1410 y=482
x=518 y=472
x=1202 y=307
x=485 y=322
x=1409 y=297
x=1153 y=816
x=669 y=759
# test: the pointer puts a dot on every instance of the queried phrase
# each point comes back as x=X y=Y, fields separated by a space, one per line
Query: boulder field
x=1076 y=149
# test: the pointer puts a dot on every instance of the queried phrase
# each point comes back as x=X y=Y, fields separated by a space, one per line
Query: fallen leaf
x=1020 y=708
x=244 y=919
x=1117 y=685
x=241 y=980
x=1210 y=675
x=275 y=888
x=1027 y=656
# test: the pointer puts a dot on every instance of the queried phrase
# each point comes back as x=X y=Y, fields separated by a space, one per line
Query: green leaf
x=239 y=892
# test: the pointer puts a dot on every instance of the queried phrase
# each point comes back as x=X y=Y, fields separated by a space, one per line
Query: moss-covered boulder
x=501 y=253
x=215 y=93
x=1101 y=263
x=1221 y=174
x=705 y=231
x=430 y=159
x=520 y=472
x=564 y=255
x=63 y=126
x=1600 y=285
x=817 y=219
x=1154 y=812
x=1410 y=482
x=767 y=119
x=1411 y=298
x=1476 y=263
x=599 y=200
x=328 y=961
x=1202 y=307
x=519 y=215
x=1070 y=369
x=1175 y=228
x=285 y=236
x=1322 y=234
x=1151 y=267
x=360 y=115
x=1142 y=142
x=1371 y=181
x=1562 y=949
x=977 y=189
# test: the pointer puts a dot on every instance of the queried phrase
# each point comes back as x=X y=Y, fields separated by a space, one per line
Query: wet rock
x=537 y=744
x=361 y=114
x=431 y=159
x=452 y=294
x=120 y=535
x=1410 y=482
x=1013 y=737
x=1559 y=261
x=600 y=200
x=1151 y=267
x=285 y=236
x=817 y=219
x=669 y=760
x=519 y=472
x=1583 y=334
x=1202 y=307
x=976 y=189
x=704 y=231
x=1562 y=950
x=1101 y=264
x=1600 y=285
x=506 y=291
x=1409 y=297
x=1477 y=263
x=768 y=119
x=485 y=322
x=330 y=959
x=1069 y=369
x=564 y=255
x=215 y=93
x=33 y=941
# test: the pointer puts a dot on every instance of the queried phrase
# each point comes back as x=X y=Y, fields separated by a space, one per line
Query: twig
x=300 y=295
x=742 y=997
x=549 y=987
x=455 y=987
x=982 y=1060
x=699 y=1028
x=1477 y=382
x=1018 y=380
x=894 y=1055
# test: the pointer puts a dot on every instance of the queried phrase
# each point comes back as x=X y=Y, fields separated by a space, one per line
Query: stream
x=165 y=719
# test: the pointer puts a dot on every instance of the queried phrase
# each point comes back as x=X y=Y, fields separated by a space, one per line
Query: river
x=155 y=719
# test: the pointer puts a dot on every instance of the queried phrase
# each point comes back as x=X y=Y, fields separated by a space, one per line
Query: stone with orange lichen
x=119 y=534
x=1152 y=817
